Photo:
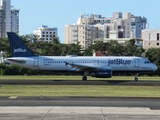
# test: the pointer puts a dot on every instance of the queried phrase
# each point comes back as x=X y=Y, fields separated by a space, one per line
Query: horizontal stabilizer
x=15 y=60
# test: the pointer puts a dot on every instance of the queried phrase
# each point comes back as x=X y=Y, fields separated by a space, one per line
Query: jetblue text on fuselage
x=119 y=62
x=20 y=50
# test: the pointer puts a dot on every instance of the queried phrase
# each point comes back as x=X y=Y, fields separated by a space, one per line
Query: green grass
x=80 y=90
x=96 y=91
x=59 y=77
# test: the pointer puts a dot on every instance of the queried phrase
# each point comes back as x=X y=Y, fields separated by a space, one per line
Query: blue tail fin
x=18 y=48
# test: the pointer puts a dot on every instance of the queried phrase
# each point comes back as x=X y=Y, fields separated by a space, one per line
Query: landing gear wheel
x=84 y=78
x=136 y=79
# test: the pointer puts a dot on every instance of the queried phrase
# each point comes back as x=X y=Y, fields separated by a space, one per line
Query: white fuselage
x=58 y=63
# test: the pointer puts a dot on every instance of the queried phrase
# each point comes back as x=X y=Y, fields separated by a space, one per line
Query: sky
x=58 y=13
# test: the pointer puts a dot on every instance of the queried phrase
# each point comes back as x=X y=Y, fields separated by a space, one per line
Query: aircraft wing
x=79 y=67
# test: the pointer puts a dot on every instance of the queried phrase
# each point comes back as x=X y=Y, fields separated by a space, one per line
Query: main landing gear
x=84 y=78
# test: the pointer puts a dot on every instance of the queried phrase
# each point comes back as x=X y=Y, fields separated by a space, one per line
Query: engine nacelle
x=102 y=74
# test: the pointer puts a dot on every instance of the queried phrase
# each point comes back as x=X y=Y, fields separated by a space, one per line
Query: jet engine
x=102 y=74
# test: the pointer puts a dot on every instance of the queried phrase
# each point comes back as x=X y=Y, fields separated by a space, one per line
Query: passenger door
x=136 y=62
x=36 y=62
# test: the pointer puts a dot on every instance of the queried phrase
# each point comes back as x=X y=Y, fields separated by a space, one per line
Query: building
x=46 y=33
x=138 y=24
x=82 y=34
x=90 y=27
x=9 y=18
x=151 y=38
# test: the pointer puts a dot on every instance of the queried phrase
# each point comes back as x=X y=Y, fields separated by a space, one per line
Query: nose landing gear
x=135 y=77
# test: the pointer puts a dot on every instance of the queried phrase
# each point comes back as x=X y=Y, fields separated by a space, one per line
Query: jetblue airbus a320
x=101 y=67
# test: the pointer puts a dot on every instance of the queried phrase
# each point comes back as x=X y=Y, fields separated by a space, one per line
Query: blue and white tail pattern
x=18 y=47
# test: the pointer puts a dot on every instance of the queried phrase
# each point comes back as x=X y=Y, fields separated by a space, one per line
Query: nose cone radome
x=154 y=67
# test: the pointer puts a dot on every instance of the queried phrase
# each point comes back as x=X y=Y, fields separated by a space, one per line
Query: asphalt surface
x=79 y=108
x=80 y=82
x=152 y=103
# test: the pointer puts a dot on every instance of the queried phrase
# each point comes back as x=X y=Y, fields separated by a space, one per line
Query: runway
x=79 y=108
x=77 y=113
x=80 y=82
x=152 y=103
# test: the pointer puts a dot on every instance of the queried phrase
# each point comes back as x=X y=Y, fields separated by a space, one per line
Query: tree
x=116 y=49
x=88 y=51
x=55 y=40
x=141 y=52
x=5 y=47
x=131 y=48
x=100 y=46
x=153 y=54
x=32 y=42
x=74 y=49
x=65 y=48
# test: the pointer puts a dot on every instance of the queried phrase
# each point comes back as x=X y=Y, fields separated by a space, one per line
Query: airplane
x=96 y=66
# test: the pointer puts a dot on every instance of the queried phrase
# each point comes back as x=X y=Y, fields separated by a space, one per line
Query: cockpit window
x=146 y=62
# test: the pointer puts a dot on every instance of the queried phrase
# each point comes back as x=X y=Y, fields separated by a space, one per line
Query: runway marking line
x=12 y=97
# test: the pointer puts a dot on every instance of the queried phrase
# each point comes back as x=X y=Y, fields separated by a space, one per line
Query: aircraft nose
x=154 y=67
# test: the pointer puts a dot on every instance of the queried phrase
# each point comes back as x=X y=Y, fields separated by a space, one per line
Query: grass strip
x=68 y=90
